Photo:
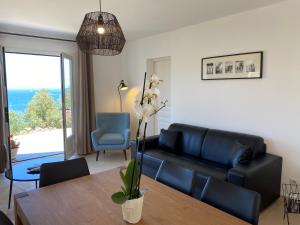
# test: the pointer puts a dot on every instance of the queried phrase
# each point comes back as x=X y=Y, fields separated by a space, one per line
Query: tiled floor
x=271 y=216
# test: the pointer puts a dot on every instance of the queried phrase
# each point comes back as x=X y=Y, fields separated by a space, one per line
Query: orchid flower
x=149 y=106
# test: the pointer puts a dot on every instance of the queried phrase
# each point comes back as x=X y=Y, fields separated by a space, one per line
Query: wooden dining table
x=87 y=201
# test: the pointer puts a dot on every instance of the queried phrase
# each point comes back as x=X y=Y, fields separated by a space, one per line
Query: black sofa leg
x=97 y=157
x=125 y=155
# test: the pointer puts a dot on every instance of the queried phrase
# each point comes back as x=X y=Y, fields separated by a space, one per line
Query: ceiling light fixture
x=101 y=34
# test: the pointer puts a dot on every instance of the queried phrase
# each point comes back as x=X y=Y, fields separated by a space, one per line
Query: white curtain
x=3 y=123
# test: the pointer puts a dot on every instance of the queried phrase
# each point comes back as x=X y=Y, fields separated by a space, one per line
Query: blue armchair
x=112 y=133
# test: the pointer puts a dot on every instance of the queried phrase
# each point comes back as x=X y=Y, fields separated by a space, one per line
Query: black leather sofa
x=207 y=151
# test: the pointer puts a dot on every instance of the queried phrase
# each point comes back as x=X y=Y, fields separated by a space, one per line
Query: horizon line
x=33 y=89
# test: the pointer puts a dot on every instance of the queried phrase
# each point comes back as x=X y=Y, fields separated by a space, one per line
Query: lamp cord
x=100 y=5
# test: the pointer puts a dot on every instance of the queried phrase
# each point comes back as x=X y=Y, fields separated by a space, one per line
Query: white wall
x=268 y=107
x=107 y=76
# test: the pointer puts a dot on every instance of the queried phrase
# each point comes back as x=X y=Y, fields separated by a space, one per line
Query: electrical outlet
x=293 y=181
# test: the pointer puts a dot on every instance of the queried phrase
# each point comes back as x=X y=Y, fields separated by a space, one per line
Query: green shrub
x=43 y=111
x=17 y=122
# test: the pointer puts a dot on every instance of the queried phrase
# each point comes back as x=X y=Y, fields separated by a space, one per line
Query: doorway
x=162 y=68
x=39 y=104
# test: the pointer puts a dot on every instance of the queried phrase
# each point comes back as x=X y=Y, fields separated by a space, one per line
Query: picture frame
x=236 y=66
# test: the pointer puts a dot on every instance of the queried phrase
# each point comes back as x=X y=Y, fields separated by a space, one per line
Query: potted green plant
x=131 y=197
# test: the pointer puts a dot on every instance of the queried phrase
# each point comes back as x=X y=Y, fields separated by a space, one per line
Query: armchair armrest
x=262 y=175
x=95 y=135
x=151 y=142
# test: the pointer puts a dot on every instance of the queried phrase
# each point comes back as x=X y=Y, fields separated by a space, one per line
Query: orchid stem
x=137 y=144
x=142 y=157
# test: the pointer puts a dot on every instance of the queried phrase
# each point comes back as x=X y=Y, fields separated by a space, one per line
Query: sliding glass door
x=39 y=94
x=66 y=76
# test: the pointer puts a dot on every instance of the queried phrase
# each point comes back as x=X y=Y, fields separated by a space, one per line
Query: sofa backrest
x=218 y=145
x=191 y=138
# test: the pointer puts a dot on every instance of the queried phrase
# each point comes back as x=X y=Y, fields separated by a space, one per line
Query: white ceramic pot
x=132 y=210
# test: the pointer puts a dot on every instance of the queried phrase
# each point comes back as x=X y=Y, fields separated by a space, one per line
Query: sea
x=19 y=98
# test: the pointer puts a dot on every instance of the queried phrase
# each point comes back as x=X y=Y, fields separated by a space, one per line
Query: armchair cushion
x=111 y=139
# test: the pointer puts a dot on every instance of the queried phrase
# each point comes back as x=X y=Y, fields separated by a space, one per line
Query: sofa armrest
x=151 y=142
x=262 y=175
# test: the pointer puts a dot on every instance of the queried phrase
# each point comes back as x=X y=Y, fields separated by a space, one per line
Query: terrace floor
x=40 y=143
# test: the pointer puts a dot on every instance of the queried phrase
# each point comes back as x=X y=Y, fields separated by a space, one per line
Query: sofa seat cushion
x=203 y=167
x=111 y=139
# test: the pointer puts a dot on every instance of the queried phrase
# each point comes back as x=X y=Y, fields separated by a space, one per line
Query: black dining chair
x=151 y=165
x=52 y=173
x=177 y=177
x=4 y=220
x=235 y=200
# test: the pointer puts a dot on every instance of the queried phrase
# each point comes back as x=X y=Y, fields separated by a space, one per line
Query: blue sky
x=32 y=71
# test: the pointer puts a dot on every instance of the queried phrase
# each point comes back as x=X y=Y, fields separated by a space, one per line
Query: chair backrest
x=113 y=122
x=52 y=173
x=4 y=220
x=235 y=200
x=151 y=165
x=175 y=176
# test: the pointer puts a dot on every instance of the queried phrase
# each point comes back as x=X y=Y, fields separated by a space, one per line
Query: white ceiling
x=138 y=18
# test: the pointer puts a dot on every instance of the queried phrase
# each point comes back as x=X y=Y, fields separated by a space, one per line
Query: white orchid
x=148 y=93
x=138 y=111
x=154 y=80
x=155 y=92
x=147 y=107
x=148 y=110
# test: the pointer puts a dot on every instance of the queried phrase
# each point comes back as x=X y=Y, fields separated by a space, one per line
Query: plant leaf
x=132 y=175
x=124 y=190
x=126 y=184
x=119 y=197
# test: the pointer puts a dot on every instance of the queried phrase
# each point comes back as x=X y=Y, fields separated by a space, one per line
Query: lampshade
x=101 y=34
x=122 y=86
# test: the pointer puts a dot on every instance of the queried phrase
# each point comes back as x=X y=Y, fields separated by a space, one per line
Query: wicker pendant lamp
x=101 y=34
